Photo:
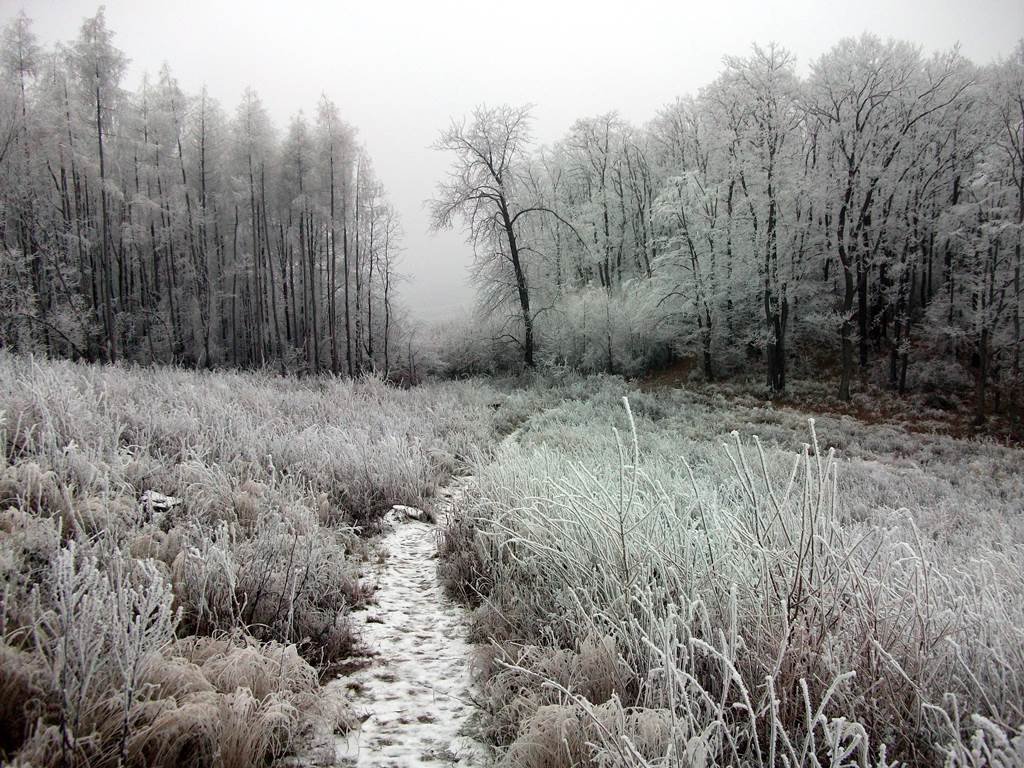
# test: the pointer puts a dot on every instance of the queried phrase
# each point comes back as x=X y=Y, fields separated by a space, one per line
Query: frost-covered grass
x=199 y=634
x=672 y=594
x=650 y=588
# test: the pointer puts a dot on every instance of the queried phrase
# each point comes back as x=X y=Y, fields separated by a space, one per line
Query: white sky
x=399 y=70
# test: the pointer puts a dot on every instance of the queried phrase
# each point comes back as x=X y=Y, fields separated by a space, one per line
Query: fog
x=400 y=71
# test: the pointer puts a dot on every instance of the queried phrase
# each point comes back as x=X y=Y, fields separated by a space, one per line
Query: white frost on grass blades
x=417 y=690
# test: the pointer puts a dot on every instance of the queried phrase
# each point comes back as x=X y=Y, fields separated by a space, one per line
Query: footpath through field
x=416 y=691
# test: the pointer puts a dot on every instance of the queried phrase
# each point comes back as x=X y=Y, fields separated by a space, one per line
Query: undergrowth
x=651 y=590
x=179 y=552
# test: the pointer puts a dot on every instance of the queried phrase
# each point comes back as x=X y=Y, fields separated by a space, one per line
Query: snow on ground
x=416 y=691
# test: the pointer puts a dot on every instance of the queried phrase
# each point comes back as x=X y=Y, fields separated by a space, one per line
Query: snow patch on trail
x=416 y=692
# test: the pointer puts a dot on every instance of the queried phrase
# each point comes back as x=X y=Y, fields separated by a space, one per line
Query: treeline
x=863 y=219
x=150 y=225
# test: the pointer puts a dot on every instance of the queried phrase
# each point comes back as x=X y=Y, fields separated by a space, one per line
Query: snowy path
x=416 y=691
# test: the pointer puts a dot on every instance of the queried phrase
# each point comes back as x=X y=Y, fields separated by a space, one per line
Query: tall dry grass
x=657 y=597
x=196 y=632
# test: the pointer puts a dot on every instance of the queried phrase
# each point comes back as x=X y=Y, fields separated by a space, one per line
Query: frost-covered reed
x=657 y=597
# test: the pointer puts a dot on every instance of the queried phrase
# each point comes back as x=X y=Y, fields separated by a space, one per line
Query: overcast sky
x=400 y=70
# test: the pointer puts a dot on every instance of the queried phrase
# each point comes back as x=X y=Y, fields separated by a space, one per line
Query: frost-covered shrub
x=594 y=330
x=97 y=625
x=471 y=345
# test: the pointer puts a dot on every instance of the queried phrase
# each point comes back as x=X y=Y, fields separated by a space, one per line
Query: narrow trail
x=416 y=691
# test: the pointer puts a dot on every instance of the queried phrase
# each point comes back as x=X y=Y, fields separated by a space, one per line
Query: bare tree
x=487 y=188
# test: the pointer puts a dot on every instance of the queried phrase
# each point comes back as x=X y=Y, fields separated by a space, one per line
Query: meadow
x=656 y=578
x=670 y=578
x=199 y=628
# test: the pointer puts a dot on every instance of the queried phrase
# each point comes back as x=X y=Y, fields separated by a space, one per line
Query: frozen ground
x=416 y=690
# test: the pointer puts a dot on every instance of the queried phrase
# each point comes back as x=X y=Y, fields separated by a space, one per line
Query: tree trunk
x=981 y=378
x=522 y=290
x=107 y=278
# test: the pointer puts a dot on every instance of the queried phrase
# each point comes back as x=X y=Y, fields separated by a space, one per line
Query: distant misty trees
x=153 y=226
x=864 y=219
